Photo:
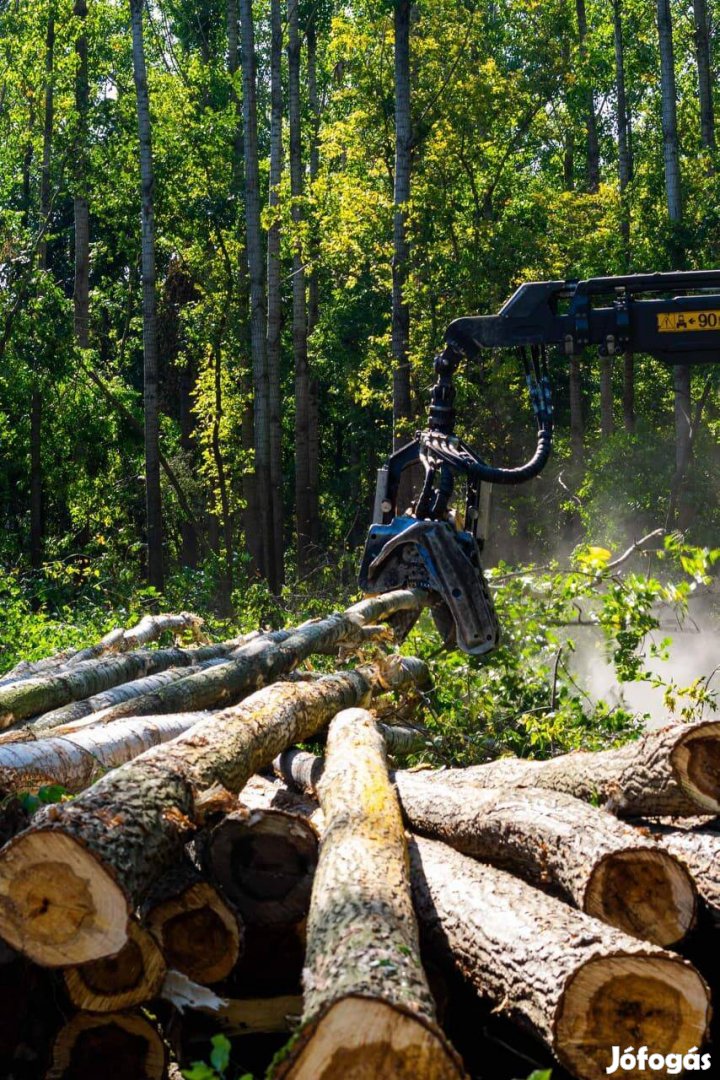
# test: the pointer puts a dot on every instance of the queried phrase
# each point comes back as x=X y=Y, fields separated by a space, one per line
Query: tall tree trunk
x=593 y=149
x=81 y=295
x=705 y=81
x=256 y=270
x=629 y=392
x=606 y=396
x=671 y=148
x=36 y=400
x=623 y=126
x=313 y=284
x=150 y=349
x=402 y=408
x=576 y=416
x=274 y=295
x=303 y=482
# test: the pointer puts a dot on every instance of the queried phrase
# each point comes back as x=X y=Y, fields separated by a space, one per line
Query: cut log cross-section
x=697 y=845
x=601 y=865
x=131 y=978
x=198 y=931
x=264 y=856
x=580 y=986
x=368 y=1010
x=91 y=1044
x=68 y=882
x=672 y=772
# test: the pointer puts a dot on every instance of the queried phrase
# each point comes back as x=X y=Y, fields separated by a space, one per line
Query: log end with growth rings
x=131 y=977
x=58 y=905
x=645 y=892
x=364 y=1039
x=696 y=762
x=198 y=933
x=629 y=1000
x=90 y=1044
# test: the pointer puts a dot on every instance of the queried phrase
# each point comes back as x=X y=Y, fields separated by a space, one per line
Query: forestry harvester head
x=673 y=316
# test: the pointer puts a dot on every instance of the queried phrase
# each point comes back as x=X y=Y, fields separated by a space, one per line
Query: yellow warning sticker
x=675 y=322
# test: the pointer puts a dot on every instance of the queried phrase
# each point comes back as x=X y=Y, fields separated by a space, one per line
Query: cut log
x=150 y=628
x=41 y=693
x=368 y=1010
x=119 y=982
x=255 y=1016
x=69 y=881
x=198 y=932
x=400 y=739
x=595 y=862
x=91 y=1044
x=264 y=857
x=697 y=845
x=93 y=709
x=672 y=772
x=264 y=660
x=580 y=986
x=75 y=760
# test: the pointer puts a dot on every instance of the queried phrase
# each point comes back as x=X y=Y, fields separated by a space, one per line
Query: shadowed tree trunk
x=150 y=348
x=274 y=295
x=403 y=141
x=303 y=481
x=576 y=416
x=593 y=150
x=702 y=56
x=256 y=270
x=624 y=177
x=313 y=284
x=81 y=296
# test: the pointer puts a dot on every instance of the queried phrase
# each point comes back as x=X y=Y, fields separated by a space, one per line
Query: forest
x=232 y=238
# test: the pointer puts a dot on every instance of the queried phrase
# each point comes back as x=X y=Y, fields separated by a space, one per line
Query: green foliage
x=219 y=1063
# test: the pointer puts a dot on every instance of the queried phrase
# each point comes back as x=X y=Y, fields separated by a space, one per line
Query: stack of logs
x=208 y=876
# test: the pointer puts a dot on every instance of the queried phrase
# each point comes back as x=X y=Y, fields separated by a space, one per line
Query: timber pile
x=210 y=876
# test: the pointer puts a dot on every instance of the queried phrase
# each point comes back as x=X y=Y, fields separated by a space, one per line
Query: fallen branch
x=366 y=999
x=580 y=986
x=69 y=881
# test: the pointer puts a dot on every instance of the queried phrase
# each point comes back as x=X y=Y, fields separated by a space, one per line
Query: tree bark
x=578 y=985
x=576 y=414
x=671 y=149
x=555 y=842
x=89 y=1041
x=81 y=292
x=155 y=574
x=303 y=479
x=263 y=660
x=402 y=406
x=672 y=772
x=132 y=977
x=52 y=690
x=256 y=268
x=76 y=759
x=198 y=932
x=259 y=1016
x=593 y=149
x=606 y=397
x=697 y=845
x=274 y=295
x=264 y=856
x=363 y=971
x=629 y=392
x=704 y=70
x=623 y=128
x=68 y=882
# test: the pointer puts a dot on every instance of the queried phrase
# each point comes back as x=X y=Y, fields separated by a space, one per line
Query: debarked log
x=199 y=933
x=579 y=985
x=41 y=693
x=368 y=1010
x=264 y=855
x=69 y=881
x=597 y=863
x=92 y=1044
x=132 y=977
x=672 y=772
x=76 y=759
